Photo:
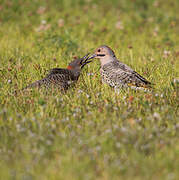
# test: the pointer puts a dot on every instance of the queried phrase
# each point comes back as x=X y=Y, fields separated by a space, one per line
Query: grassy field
x=90 y=132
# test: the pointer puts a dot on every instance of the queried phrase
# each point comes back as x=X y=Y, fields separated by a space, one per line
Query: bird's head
x=78 y=64
x=104 y=53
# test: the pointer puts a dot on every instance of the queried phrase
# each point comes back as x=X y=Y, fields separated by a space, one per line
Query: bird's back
x=57 y=78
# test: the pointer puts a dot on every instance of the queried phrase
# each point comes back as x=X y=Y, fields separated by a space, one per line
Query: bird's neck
x=107 y=60
x=76 y=73
x=69 y=67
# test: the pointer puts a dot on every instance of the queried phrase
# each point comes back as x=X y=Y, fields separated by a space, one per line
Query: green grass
x=90 y=132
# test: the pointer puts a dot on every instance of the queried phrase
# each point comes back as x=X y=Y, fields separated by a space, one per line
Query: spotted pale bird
x=116 y=73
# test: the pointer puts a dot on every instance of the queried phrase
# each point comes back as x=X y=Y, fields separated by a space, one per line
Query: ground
x=90 y=132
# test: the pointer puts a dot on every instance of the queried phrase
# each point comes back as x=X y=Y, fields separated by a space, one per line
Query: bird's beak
x=86 y=56
x=92 y=56
x=85 y=60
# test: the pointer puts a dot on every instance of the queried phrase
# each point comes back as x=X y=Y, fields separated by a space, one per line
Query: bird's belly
x=107 y=79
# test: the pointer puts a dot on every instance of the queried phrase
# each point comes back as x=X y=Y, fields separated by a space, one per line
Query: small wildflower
x=65 y=119
x=43 y=27
x=117 y=163
x=118 y=144
x=89 y=112
x=176 y=80
x=80 y=141
x=9 y=69
x=156 y=115
x=77 y=110
x=63 y=135
x=150 y=19
x=80 y=91
x=177 y=53
x=43 y=22
x=115 y=126
x=115 y=108
x=74 y=114
x=79 y=126
x=108 y=131
x=131 y=98
x=152 y=59
x=98 y=148
x=177 y=126
x=72 y=134
x=41 y=10
x=91 y=102
x=131 y=121
x=156 y=30
x=123 y=129
x=91 y=23
x=9 y=81
x=166 y=54
x=48 y=142
x=119 y=25
x=90 y=74
x=156 y=3
x=60 y=23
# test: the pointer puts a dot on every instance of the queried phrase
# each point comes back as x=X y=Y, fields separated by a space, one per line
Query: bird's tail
x=36 y=84
x=147 y=87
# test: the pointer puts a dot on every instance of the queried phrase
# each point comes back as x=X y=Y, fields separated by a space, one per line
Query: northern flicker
x=116 y=73
x=62 y=78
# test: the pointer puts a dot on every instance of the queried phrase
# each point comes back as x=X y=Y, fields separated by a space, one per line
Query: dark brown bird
x=62 y=78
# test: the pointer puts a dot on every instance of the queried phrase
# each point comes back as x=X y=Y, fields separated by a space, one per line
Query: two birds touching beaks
x=113 y=72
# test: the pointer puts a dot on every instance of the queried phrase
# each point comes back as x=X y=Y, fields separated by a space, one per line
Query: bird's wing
x=123 y=74
x=57 y=77
x=52 y=80
x=60 y=77
x=62 y=80
x=58 y=71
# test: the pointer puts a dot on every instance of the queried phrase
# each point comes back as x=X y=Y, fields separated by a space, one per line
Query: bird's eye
x=99 y=50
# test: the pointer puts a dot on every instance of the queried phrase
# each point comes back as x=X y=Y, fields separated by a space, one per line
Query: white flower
x=9 y=81
x=118 y=144
x=156 y=115
x=43 y=22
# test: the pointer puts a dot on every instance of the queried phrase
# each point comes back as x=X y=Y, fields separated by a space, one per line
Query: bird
x=117 y=74
x=62 y=78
